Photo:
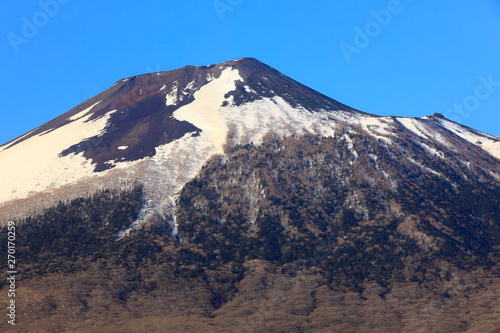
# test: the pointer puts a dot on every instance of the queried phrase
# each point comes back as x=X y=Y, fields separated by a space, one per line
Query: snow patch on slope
x=5 y=146
x=487 y=142
x=250 y=122
x=204 y=111
x=34 y=165
x=376 y=126
x=171 y=98
x=83 y=113
x=350 y=146
x=168 y=171
x=416 y=127
x=423 y=167
x=430 y=149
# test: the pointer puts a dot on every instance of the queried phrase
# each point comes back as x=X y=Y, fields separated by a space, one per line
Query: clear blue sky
x=419 y=58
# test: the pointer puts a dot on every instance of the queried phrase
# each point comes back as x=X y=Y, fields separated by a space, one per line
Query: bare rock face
x=231 y=198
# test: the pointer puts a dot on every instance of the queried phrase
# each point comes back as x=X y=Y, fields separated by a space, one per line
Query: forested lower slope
x=284 y=237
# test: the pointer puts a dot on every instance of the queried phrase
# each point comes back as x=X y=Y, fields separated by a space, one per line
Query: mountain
x=232 y=198
x=136 y=130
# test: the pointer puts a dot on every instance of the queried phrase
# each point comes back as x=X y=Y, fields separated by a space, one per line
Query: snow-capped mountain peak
x=159 y=129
